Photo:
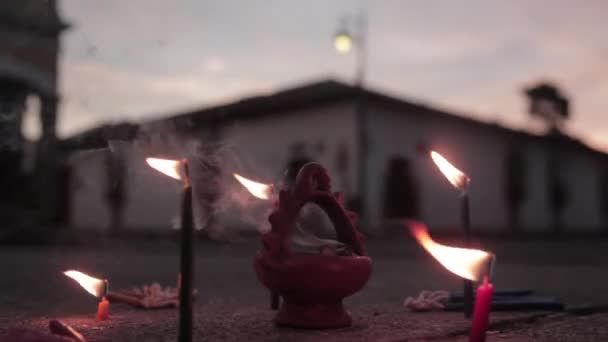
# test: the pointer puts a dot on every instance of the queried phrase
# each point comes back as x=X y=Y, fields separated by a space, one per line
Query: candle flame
x=169 y=167
x=94 y=286
x=259 y=190
x=472 y=264
x=456 y=177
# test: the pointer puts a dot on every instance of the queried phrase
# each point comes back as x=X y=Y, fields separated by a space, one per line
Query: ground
x=233 y=306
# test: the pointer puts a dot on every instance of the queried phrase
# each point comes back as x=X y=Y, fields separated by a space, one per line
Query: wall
x=88 y=202
x=397 y=134
x=580 y=172
x=481 y=153
x=263 y=145
x=257 y=149
x=152 y=199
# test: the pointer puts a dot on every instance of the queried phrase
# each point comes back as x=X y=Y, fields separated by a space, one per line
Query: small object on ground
x=427 y=301
x=510 y=300
x=152 y=296
x=456 y=296
x=120 y=297
x=59 y=328
x=27 y=335
x=516 y=303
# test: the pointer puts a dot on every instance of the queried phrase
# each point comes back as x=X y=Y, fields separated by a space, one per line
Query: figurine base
x=313 y=316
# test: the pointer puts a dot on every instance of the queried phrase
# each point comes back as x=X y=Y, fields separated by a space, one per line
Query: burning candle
x=96 y=287
x=259 y=190
x=461 y=182
x=103 y=310
x=264 y=192
x=481 y=315
x=471 y=264
x=179 y=170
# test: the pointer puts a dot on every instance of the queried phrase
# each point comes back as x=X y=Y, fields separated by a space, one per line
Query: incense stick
x=468 y=284
x=186 y=262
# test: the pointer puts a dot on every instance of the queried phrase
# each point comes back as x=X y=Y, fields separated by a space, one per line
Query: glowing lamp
x=343 y=42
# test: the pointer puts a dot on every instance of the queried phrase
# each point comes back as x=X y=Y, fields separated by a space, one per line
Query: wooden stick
x=59 y=328
x=115 y=297
x=186 y=262
x=131 y=293
x=468 y=285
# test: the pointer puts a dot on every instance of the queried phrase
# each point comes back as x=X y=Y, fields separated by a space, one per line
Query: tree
x=549 y=104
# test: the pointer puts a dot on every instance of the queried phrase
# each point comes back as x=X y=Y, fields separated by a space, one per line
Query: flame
x=458 y=178
x=169 y=167
x=472 y=264
x=94 y=286
x=259 y=190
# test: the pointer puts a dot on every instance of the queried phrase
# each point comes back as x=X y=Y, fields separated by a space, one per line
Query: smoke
x=221 y=206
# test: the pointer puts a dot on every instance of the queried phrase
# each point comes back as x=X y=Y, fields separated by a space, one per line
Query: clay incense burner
x=312 y=285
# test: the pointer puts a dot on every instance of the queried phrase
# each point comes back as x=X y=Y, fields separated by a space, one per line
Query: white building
x=554 y=182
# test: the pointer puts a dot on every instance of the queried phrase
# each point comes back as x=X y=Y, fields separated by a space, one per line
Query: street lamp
x=343 y=42
x=351 y=35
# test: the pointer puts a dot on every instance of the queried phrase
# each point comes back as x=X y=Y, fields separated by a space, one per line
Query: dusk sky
x=137 y=60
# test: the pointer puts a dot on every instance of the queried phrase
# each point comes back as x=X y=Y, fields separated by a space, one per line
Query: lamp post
x=352 y=35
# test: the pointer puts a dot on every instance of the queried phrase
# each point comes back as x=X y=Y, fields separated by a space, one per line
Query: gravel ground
x=233 y=306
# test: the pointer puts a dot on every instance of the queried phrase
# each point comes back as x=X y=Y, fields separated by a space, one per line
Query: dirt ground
x=233 y=306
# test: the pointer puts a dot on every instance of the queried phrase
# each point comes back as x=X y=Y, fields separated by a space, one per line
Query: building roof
x=331 y=91
x=98 y=137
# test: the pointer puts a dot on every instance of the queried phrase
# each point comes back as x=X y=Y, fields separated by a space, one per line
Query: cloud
x=94 y=93
x=137 y=59
x=214 y=65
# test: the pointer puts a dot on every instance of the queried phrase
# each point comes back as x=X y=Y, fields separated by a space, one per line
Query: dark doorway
x=557 y=192
x=515 y=186
x=115 y=188
x=400 y=190
x=603 y=200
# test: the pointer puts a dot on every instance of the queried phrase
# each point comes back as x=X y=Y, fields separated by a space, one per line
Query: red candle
x=481 y=315
x=103 y=310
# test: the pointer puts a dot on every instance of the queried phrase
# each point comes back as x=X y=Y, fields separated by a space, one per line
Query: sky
x=141 y=59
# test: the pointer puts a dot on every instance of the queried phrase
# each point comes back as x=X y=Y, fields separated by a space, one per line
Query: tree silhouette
x=548 y=103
